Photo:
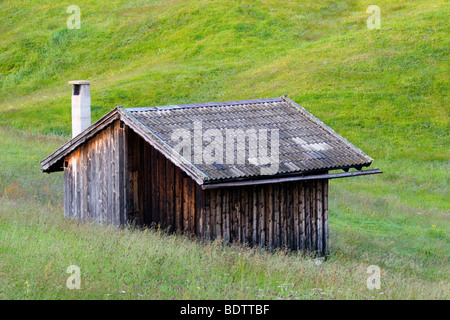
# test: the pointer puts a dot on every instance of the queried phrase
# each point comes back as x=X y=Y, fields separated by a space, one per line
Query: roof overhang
x=55 y=161
x=290 y=179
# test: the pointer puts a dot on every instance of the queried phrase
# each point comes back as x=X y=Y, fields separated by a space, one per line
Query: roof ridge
x=205 y=104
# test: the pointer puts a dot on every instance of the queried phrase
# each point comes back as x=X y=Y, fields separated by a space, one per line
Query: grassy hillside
x=37 y=245
x=384 y=90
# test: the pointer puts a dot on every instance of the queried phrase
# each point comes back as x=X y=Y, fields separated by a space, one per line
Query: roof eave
x=290 y=179
x=48 y=164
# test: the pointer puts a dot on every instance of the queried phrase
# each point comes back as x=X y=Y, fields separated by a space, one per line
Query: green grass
x=385 y=90
x=367 y=227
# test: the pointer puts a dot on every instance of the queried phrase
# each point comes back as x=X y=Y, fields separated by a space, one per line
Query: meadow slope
x=385 y=90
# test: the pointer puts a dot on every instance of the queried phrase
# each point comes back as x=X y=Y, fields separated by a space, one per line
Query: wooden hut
x=145 y=165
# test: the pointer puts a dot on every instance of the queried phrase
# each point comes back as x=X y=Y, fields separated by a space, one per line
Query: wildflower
x=122 y=291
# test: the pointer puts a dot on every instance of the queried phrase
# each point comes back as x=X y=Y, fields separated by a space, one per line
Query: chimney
x=81 y=106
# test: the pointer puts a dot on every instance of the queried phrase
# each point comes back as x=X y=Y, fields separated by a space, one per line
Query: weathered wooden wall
x=94 y=178
x=290 y=215
x=117 y=177
x=159 y=193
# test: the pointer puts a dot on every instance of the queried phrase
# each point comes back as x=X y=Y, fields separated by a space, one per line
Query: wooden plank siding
x=275 y=216
x=94 y=178
x=115 y=177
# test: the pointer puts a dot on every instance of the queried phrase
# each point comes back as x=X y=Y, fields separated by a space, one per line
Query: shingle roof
x=305 y=143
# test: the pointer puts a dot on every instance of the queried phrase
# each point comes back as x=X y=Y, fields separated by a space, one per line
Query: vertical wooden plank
x=185 y=204
x=302 y=219
x=262 y=214
x=199 y=211
x=67 y=189
x=207 y=214
x=73 y=162
x=283 y=216
x=170 y=190
x=247 y=215
x=235 y=210
x=231 y=213
x=212 y=213
x=296 y=215
x=162 y=192
x=104 y=175
x=313 y=216
x=136 y=211
x=134 y=179
x=192 y=213
x=319 y=217
x=226 y=214
x=325 y=217
x=140 y=180
x=178 y=200
x=119 y=175
x=71 y=187
x=78 y=185
x=147 y=184
x=307 y=215
x=290 y=216
x=88 y=179
x=114 y=172
x=110 y=173
x=218 y=213
x=81 y=176
x=73 y=198
x=94 y=205
x=98 y=179
x=129 y=176
x=122 y=176
x=270 y=214
x=242 y=217
x=254 y=212
x=155 y=186
x=276 y=214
